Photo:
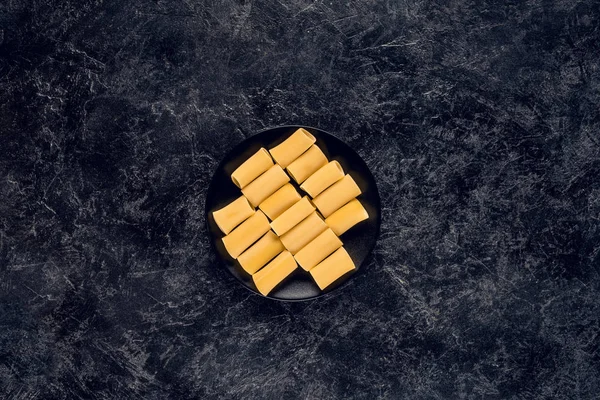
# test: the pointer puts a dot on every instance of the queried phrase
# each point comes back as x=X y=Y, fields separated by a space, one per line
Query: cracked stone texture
x=479 y=119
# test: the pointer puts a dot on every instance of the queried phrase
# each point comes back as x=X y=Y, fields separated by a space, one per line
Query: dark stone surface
x=480 y=120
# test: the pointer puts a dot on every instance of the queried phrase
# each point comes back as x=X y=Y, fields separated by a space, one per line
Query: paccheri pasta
x=252 y=168
x=323 y=178
x=332 y=268
x=346 y=217
x=265 y=185
x=305 y=165
x=245 y=234
x=302 y=231
x=232 y=214
x=292 y=147
x=274 y=272
x=292 y=216
x=280 y=201
x=336 y=195
x=300 y=235
x=261 y=252
x=317 y=249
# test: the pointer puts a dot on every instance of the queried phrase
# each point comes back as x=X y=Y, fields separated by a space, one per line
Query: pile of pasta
x=271 y=229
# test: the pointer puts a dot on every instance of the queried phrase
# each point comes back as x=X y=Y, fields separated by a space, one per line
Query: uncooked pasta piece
x=332 y=268
x=232 y=214
x=260 y=253
x=265 y=185
x=291 y=148
x=292 y=216
x=323 y=178
x=245 y=234
x=346 y=217
x=279 y=201
x=336 y=195
x=252 y=168
x=319 y=248
x=274 y=272
x=300 y=235
x=305 y=165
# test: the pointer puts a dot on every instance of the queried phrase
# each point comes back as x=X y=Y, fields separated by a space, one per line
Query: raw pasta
x=346 y=217
x=280 y=201
x=319 y=248
x=332 y=268
x=245 y=234
x=261 y=252
x=273 y=273
x=336 y=195
x=252 y=168
x=292 y=216
x=291 y=148
x=304 y=230
x=323 y=178
x=265 y=185
x=232 y=214
x=305 y=165
x=300 y=235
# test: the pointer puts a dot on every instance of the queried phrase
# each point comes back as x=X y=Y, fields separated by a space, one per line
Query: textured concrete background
x=479 y=119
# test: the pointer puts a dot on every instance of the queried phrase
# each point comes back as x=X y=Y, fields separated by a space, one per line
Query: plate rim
x=220 y=259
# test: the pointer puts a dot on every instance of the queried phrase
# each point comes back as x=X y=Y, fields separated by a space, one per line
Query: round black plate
x=358 y=240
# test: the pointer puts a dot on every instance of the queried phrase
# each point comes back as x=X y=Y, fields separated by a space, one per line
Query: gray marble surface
x=479 y=119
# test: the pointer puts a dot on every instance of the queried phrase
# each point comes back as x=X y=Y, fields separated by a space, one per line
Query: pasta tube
x=292 y=216
x=245 y=234
x=260 y=252
x=305 y=165
x=279 y=201
x=265 y=185
x=331 y=268
x=232 y=214
x=291 y=148
x=300 y=235
x=273 y=273
x=346 y=217
x=252 y=168
x=323 y=178
x=336 y=195
x=319 y=248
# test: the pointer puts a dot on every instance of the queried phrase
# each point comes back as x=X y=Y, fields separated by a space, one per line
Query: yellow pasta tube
x=265 y=185
x=292 y=216
x=292 y=147
x=319 y=248
x=260 y=252
x=247 y=233
x=252 y=168
x=300 y=235
x=331 y=268
x=323 y=178
x=336 y=195
x=232 y=214
x=273 y=273
x=346 y=217
x=305 y=165
x=280 y=201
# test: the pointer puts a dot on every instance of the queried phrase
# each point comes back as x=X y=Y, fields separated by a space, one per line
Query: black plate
x=358 y=240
